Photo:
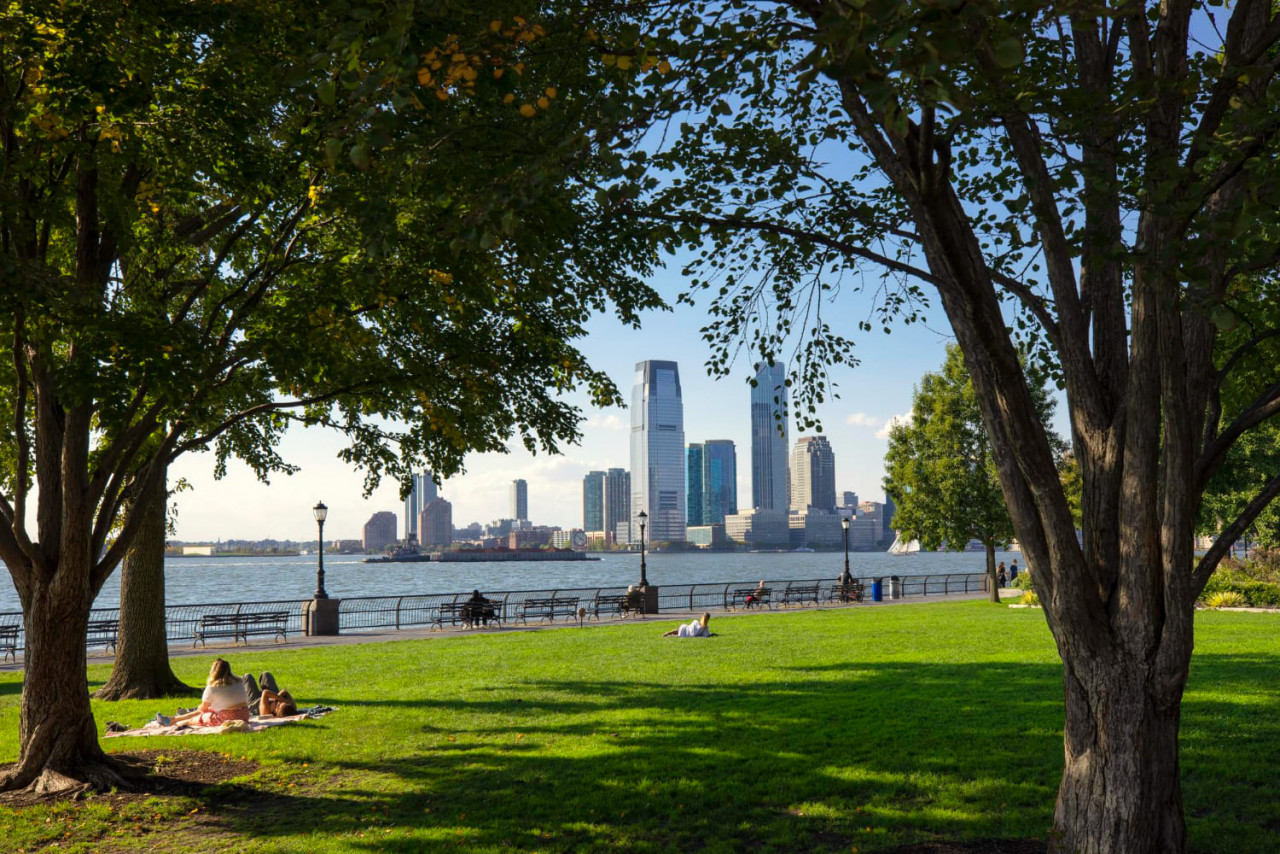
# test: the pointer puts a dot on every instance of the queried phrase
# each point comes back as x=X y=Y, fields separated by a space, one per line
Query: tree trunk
x=142 y=669
x=58 y=738
x=1121 y=789
x=993 y=579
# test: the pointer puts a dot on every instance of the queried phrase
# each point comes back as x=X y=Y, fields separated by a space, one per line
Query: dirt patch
x=166 y=773
x=989 y=846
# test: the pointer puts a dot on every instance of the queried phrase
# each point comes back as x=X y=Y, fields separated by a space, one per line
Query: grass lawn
x=858 y=729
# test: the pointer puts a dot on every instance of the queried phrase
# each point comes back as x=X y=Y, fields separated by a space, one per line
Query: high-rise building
x=657 y=451
x=813 y=475
x=769 y=480
x=422 y=491
x=379 y=531
x=850 y=500
x=519 y=499
x=719 y=481
x=617 y=505
x=593 y=501
x=435 y=523
x=693 y=484
x=887 y=518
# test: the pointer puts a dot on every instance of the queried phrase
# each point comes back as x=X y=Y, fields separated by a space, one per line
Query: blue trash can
x=877 y=590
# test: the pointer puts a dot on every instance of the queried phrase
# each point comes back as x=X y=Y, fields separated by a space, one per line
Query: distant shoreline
x=235 y=554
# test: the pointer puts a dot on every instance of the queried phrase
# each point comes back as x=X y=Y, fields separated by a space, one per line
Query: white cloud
x=605 y=422
x=905 y=418
x=861 y=419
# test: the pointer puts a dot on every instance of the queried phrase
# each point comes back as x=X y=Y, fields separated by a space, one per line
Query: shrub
x=1258 y=594
x=1029 y=598
x=1226 y=599
x=1022 y=582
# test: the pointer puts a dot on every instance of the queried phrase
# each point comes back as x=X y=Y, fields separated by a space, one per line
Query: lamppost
x=644 y=579
x=847 y=577
x=320 y=512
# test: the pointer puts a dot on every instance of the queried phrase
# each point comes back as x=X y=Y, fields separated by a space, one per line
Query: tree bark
x=142 y=668
x=1121 y=788
x=58 y=738
x=993 y=579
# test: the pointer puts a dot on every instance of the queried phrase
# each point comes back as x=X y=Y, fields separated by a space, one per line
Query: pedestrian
x=1013 y=572
x=1001 y=578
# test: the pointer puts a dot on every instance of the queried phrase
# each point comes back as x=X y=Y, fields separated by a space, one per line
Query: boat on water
x=901 y=548
x=802 y=549
x=404 y=558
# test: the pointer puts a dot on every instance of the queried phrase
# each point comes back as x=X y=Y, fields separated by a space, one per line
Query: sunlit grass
x=864 y=727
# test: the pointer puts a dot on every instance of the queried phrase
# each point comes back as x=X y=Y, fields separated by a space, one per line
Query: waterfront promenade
x=664 y=619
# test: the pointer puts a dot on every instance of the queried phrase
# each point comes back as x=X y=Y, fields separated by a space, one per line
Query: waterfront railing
x=374 y=613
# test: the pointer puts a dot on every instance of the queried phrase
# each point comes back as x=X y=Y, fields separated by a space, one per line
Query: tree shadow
x=854 y=755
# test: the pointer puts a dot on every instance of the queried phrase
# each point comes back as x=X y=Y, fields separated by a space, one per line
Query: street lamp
x=847 y=577
x=320 y=512
x=644 y=579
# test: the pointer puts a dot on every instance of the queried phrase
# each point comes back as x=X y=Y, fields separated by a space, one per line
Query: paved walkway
x=665 y=620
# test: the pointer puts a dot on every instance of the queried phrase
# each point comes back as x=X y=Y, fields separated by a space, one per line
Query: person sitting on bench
x=754 y=597
x=478 y=610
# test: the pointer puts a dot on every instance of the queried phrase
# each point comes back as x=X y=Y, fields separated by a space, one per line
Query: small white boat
x=900 y=548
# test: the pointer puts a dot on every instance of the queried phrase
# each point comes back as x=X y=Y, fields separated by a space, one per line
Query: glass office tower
x=769 y=480
x=657 y=452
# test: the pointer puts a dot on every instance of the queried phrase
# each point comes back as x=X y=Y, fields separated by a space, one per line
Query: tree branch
x=1227 y=538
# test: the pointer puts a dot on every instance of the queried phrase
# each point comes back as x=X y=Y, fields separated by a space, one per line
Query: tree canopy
x=216 y=221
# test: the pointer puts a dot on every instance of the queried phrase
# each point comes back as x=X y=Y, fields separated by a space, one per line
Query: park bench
x=799 y=594
x=103 y=633
x=758 y=595
x=463 y=613
x=9 y=641
x=238 y=627
x=621 y=605
x=851 y=592
x=547 y=609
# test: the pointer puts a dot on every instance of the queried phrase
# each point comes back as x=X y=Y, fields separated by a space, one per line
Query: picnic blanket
x=253 y=725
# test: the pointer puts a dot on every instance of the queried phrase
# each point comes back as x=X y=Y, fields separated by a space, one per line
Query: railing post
x=399 y=599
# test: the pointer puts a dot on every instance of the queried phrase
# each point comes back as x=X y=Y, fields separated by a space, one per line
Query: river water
x=195 y=580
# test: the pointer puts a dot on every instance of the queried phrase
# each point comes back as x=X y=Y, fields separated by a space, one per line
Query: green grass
x=859 y=728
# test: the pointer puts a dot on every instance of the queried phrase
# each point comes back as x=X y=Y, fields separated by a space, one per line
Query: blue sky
x=240 y=507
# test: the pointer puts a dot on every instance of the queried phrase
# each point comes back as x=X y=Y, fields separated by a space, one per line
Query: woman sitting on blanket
x=270 y=700
x=224 y=699
x=695 y=629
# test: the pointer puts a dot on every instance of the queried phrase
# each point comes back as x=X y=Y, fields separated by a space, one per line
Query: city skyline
x=871 y=395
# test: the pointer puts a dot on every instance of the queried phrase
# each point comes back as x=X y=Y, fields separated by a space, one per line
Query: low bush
x=1022 y=582
x=1257 y=594
x=1226 y=599
x=1029 y=598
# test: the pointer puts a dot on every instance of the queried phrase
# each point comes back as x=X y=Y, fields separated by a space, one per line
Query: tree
x=217 y=222
x=940 y=471
x=1086 y=183
x=141 y=670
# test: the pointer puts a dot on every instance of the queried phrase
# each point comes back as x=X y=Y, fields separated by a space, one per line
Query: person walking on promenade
x=1001 y=577
x=1013 y=571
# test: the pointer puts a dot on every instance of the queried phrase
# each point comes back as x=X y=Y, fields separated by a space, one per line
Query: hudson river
x=195 y=580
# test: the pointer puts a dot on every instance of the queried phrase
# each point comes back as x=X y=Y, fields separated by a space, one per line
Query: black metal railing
x=183 y=623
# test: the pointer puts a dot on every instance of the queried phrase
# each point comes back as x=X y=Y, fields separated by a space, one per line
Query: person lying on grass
x=224 y=699
x=695 y=629
x=269 y=699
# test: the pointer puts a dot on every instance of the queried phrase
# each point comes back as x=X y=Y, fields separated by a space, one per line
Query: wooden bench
x=103 y=633
x=798 y=595
x=757 y=595
x=463 y=613
x=547 y=609
x=9 y=641
x=851 y=592
x=238 y=627
x=620 y=605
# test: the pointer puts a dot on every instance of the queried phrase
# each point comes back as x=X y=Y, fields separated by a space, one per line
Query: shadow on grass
x=869 y=755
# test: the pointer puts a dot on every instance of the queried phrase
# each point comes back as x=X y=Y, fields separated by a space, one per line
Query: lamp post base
x=320 y=617
x=649 y=598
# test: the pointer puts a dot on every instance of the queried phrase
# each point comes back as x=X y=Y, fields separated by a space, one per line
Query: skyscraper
x=813 y=475
x=719 y=481
x=593 y=501
x=693 y=484
x=850 y=500
x=769 y=480
x=379 y=531
x=435 y=523
x=657 y=451
x=617 y=505
x=422 y=491
x=519 y=499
